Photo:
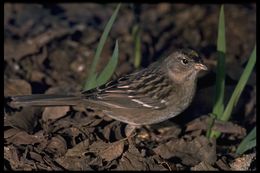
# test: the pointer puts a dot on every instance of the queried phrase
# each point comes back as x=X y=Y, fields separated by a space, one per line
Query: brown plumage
x=154 y=94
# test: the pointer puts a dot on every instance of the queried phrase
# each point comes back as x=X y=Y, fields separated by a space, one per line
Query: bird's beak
x=200 y=66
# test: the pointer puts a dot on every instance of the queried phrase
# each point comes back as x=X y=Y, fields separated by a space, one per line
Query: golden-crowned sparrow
x=152 y=95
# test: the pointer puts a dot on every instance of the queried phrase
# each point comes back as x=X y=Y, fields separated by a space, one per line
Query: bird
x=151 y=95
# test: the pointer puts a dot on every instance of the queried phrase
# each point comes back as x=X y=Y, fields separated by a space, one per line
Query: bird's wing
x=137 y=90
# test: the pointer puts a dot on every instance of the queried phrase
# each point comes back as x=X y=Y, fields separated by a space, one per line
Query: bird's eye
x=184 y=61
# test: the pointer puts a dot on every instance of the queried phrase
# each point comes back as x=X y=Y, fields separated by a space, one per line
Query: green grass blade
x=108 y=71
x=137 y=46
x=247 y=146
x=239 y=88
x=89 y=84
x=220 y=78
x=220 y=72
x=248 y=142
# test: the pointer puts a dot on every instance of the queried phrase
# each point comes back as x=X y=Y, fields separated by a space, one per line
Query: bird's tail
x=46 y=100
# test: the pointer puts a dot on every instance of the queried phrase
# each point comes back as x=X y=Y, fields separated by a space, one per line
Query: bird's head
x=183 y=65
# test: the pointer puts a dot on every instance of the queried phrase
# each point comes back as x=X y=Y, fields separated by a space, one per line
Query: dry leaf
x=52 y=113
x=16 y=87
x=113 y=151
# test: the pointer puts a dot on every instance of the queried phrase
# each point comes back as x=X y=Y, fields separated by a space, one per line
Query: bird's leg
x=129 y=132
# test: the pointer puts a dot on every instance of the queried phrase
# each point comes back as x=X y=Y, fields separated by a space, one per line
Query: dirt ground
x=48 y=48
